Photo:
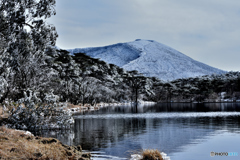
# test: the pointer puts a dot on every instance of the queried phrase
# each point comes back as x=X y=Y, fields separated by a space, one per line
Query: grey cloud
x=206 y=30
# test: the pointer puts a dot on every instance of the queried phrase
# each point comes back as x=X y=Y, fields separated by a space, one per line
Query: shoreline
x=75 y=109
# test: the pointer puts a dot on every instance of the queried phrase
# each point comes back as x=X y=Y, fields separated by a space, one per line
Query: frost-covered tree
x=3 y=88
x=25 y=36
x=25 y=19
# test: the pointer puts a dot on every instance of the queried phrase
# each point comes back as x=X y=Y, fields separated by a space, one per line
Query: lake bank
x=17 y=144
x=76 y=109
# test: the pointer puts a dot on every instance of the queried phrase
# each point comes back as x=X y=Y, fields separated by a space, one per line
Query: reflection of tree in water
x=194 y=107
x=170 y=107
x=99 y=133
x=115 y=136
x=94 y=134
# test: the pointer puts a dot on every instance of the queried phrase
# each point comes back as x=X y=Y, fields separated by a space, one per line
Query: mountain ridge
x=151 y=58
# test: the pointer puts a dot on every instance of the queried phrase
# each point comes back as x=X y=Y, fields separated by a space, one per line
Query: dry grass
x=16 y=145
x=150 y=154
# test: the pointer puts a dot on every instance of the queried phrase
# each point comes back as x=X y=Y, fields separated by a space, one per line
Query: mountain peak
x=151 y=58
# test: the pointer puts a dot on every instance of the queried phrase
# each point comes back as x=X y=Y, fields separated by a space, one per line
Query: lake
x=184 y=131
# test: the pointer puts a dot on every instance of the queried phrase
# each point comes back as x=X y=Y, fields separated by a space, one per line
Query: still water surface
x=182 y=130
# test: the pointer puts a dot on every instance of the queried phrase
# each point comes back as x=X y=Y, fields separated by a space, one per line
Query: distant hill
x=151 y=58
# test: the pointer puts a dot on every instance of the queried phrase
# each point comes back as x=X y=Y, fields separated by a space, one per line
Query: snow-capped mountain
x=151 y=58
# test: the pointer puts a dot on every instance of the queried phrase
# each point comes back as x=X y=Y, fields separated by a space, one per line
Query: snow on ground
x=27 y=133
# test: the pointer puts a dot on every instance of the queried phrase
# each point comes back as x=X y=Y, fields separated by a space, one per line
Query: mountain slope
x=151 y=58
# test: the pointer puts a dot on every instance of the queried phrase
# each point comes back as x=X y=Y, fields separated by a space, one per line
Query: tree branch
x=29 y=25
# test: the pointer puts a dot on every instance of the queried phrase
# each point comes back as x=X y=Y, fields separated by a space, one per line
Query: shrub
x=30 y=113
x=150 y=154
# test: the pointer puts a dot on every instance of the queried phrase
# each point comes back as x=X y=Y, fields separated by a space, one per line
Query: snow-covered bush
x=3 y=86
x=31 y=113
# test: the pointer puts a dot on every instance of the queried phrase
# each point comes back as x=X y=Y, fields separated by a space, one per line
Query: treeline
x=212 y=88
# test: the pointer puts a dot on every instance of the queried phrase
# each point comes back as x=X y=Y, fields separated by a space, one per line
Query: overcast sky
x=205 y=30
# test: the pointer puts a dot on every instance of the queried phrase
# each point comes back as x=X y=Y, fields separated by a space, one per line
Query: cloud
x=206 y=30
